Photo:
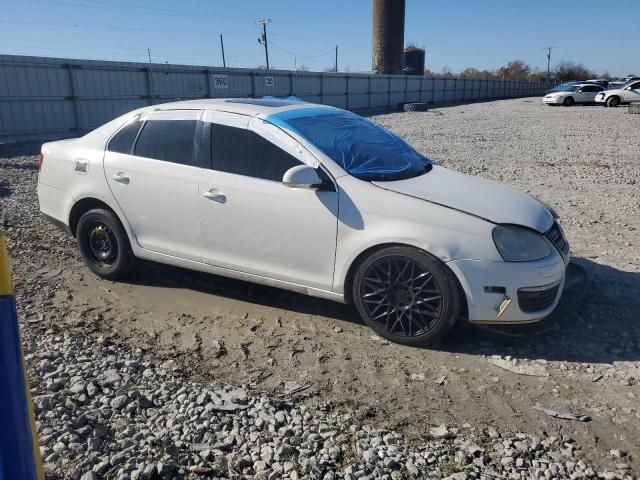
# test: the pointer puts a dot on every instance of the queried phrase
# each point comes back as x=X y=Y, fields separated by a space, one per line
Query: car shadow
x=167 y=276
x=602 y=329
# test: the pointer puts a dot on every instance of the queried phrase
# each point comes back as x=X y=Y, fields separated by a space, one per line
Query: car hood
x=489 y=200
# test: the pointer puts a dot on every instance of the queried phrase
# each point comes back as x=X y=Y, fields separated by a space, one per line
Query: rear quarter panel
x=72 y=170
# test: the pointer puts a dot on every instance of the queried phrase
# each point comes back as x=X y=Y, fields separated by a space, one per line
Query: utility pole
x=149 y=54
x=336 y=65
x=548 y=49
x=263 y=39
x=224 y=63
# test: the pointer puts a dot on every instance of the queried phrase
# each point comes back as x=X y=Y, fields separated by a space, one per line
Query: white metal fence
x=42 y=96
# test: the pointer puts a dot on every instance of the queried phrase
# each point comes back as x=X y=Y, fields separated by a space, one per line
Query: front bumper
x=553 y=100
x=600 y=99
x=526 y=291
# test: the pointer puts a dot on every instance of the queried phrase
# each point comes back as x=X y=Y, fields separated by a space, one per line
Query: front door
x=153 y=175
x=252 y=222
x=632 y=93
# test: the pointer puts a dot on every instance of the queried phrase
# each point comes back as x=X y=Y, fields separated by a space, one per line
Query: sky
x=485 y=34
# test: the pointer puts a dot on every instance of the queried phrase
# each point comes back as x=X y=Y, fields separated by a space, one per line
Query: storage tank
x=388 y=35
x=413 y=61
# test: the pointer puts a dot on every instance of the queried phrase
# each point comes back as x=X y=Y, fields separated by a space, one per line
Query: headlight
x=519 y=244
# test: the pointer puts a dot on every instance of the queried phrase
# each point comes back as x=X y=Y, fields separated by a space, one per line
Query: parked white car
x=628 y=93
x=572 y=94
x=309 y=198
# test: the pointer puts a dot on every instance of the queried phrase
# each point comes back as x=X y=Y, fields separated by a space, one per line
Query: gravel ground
x=183 y=375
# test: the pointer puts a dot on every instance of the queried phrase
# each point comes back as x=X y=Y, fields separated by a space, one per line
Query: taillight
x=40 y=160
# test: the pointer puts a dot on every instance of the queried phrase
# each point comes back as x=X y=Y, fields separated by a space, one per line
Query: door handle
x=121 y=178
x=215 y=195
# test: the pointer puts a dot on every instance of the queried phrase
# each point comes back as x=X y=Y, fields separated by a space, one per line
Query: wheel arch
x=609 y=97
x=357 y=261
x=84 y=205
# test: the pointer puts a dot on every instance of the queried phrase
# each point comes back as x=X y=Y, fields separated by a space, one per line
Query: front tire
x=613 y=102
x=568 y=102
x=406 y=296
x=104 y=245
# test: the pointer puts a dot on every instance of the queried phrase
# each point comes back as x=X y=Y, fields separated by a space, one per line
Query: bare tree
x=567 y=70
x=514 y=70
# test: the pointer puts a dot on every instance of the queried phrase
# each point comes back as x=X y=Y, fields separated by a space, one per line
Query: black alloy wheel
x=406 y=295
x=401 y=295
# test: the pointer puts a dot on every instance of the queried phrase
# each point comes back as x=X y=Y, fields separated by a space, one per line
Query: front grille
x=537 y=299
x=556 y=236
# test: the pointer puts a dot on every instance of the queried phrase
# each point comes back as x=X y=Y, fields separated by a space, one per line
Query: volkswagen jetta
x=308 y=198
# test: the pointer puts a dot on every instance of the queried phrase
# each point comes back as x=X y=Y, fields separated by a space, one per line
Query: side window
x=122 y=142
x=635 y=86
x=168 y=140
x=243 y=152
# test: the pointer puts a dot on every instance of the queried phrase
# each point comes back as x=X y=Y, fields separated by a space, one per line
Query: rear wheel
x=613 y=102
x=406 y=296
x=568 y=102
x=104 y=245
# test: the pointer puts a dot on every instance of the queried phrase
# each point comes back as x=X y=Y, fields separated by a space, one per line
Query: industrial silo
x=388 y=35
x=413 y=61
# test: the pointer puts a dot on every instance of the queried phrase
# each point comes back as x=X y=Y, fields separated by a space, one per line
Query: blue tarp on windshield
x=362 y=148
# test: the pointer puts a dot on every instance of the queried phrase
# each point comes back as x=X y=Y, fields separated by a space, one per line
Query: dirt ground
x=585 y=161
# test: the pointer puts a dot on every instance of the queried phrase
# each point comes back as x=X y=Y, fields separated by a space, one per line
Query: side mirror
x=301 y=176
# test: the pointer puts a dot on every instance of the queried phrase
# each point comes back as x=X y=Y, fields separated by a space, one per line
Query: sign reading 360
x=220 y=81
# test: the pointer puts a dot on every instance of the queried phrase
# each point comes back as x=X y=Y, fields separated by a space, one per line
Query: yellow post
x=19 y=449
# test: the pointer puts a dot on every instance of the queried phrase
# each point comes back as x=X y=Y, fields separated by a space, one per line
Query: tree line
x=519 y=70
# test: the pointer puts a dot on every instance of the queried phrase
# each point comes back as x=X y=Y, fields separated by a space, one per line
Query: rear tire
x=104 y=245
x=406 y=296
x=415 y=107
x=568 y=102
x=613 y=102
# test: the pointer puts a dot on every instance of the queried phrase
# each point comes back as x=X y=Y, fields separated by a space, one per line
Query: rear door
x=251 y=221
x=153 y=167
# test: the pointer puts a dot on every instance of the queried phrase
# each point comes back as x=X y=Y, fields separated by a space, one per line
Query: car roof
x=246 y=106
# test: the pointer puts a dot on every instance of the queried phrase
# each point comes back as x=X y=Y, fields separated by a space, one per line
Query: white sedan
x=573 y=94
x=627 y=93
x=308 y=198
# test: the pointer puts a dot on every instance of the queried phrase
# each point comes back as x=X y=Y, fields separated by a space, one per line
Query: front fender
x=370 y=216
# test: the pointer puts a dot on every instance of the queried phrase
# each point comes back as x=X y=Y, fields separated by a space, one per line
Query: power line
x=120 y=7
x=301 y=56
x=96 y=27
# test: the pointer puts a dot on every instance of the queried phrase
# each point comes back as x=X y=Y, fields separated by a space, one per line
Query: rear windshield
x=362 y=148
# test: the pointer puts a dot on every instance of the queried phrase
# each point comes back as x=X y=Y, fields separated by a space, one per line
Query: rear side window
x=122 y=142
x=168 y=140
x=243 y=152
